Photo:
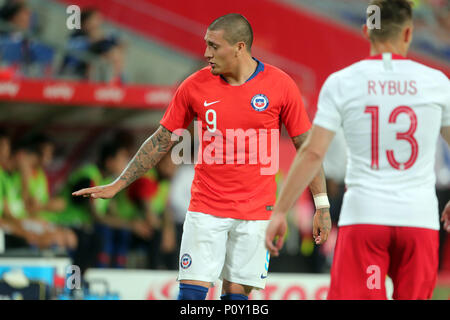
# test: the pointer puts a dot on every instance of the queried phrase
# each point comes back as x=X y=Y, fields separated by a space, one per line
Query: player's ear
x=240 y=48
x=407 y=34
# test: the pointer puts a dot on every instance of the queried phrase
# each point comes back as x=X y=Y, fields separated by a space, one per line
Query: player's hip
x=363 y=207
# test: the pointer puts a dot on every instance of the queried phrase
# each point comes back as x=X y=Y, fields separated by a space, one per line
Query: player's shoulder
x=276 y=73
x=199 y=76
x=407 y=65
x=279 y=79
x=345 y=79
x=424 y=70
x=363 y=67
x=350 y=71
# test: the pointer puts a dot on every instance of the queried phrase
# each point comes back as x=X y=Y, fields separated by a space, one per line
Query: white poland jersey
x=391 y=110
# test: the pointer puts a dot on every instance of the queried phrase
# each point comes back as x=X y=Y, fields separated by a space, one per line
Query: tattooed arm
x=148 y=155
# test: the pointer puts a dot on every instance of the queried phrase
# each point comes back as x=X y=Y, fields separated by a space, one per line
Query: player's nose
x=208 y=53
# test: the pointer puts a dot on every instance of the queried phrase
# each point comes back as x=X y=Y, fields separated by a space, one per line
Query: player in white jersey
x=391 y=110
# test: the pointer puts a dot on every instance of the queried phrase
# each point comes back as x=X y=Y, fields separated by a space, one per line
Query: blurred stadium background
x=75 y=103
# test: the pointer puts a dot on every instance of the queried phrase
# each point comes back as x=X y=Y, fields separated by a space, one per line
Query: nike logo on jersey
x=263 y=276
x=206 y=104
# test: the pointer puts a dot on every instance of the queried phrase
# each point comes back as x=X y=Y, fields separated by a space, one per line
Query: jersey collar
x=259 y=68
x=395 y=56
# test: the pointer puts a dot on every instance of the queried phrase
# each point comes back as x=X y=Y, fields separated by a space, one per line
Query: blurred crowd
x=432 y=27
x=94 y=233
x=431 y=21
x=89 y=54
x=92 y=54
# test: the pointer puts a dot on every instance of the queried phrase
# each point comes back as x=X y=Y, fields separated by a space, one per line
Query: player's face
x=46 y=156
x=219 y=53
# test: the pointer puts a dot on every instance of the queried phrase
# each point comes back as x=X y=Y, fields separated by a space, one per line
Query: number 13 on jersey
x=407 y=136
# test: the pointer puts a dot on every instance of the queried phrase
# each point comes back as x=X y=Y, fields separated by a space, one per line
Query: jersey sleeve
x=293 y=112
x=446 y=102
x=328 y=113
x=179 y=113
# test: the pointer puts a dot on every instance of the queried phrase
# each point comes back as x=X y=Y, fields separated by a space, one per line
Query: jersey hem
x=388 y=224
x=236 y=216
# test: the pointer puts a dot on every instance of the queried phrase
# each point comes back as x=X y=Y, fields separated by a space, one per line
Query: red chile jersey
x=238 y=130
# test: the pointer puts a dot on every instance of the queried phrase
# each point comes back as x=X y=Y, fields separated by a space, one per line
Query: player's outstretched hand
x=445 y=218
x=103 y=192
x=321 y=225
x=276 y=231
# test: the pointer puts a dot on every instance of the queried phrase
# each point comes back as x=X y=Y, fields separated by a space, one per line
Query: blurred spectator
x=34 y=231
x=34 y=24
x=81 y=215
x=443 y=30
x=180 y=193
x=38 y=202
x=442 y=168
x=17 y=14
x=151 y=193
x=41 y=202
x=180 y=197
x=19 y=52
x=431 y=21
x=167 y=246
x=91 y=41
x=122 y=217
x=6 y=226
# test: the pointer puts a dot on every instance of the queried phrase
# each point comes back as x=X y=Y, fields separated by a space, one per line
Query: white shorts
x=215 y=248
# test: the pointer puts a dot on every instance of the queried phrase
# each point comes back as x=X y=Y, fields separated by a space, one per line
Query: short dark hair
x=86 y=14
x=236 y=27
x=4 y=134
x=24 y=144
x=10 y=9
x=394 y=14
x=108 y=150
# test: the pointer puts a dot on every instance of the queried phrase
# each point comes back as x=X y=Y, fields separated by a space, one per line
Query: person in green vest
x=9 y=228
x=36 y=192
x=81 y=214
x=93 y=220
x=122 y=216
x=14 y=217
x=151 y=193
x=48 y=207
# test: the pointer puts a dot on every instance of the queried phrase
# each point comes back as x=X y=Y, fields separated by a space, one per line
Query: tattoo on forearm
x=148 y=155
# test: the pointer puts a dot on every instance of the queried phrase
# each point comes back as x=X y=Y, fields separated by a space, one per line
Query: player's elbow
x=313 y=154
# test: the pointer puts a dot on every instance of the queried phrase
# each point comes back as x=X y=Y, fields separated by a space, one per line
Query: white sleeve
x=328 y=114
x=446 y=102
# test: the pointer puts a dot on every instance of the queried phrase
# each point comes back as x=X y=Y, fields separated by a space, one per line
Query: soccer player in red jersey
x=391 y=110
x=240 y=104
